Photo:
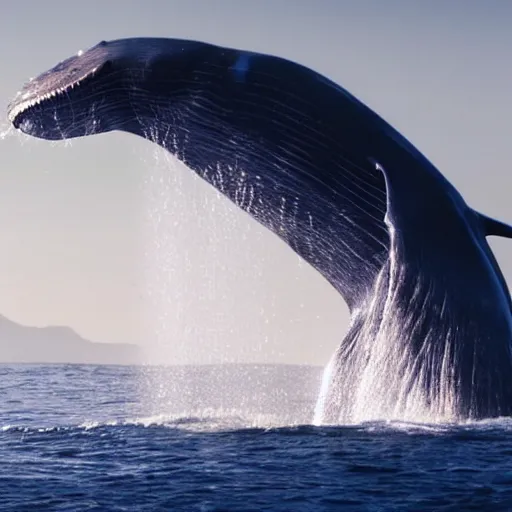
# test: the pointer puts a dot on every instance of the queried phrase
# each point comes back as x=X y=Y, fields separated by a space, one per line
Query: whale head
x=107 y=87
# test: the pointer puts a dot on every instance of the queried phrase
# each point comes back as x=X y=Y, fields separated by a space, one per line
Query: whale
x=431 y=322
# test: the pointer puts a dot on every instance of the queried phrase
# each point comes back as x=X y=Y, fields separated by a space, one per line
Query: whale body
x=431 y=324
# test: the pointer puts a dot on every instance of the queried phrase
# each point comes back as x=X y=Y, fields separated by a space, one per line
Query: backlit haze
x=108 y=235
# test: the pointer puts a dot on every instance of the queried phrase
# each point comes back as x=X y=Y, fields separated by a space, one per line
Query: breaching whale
x=431 y=324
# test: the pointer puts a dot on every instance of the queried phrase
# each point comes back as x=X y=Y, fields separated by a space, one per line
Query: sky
x=110 y=236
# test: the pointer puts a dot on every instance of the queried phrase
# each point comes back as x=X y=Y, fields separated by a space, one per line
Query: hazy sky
x=80 y=236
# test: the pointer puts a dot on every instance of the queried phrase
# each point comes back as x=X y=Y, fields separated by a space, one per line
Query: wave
x=219 y=421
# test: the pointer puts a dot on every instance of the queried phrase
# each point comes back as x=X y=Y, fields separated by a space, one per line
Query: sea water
x=228 y=438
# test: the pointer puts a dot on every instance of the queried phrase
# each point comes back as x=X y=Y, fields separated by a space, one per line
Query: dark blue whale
x=431 y=328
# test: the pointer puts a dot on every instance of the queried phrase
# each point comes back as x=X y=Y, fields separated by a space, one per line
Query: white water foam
x=208 y=299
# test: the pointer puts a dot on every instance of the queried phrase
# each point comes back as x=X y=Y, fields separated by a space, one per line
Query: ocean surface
x=228 y=438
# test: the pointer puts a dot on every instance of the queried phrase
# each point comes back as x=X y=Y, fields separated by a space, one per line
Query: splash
x=208 y=303
x=382 y=372
x=6 y=130
x=198 y=251
x=201 y=420
x=194 y=266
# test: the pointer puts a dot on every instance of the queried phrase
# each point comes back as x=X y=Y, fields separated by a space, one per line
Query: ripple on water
x=57 y=455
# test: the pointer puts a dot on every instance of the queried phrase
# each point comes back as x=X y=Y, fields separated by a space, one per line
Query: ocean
x=227 y=438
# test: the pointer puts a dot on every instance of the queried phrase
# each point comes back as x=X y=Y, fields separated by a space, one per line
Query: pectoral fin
x=493 y=227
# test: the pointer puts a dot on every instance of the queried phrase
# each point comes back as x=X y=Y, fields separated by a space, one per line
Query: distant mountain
x=22 y=344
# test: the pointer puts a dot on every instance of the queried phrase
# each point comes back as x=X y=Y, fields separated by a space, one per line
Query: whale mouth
x=30 y=99
x=63 y=102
